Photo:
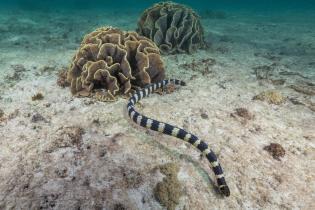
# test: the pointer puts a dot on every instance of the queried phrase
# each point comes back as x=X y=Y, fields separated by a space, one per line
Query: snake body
x=175 y=131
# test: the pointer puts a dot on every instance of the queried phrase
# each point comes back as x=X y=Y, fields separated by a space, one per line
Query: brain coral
x=173 y=27
x=110 y=61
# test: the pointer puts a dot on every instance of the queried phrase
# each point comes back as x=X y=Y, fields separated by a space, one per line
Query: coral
x=276 y=150
x=271 y=96
x=169 y=190
x=110 y=61
x=173 y=27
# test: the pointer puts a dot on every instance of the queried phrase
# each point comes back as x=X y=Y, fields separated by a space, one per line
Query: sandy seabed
x=64 y=152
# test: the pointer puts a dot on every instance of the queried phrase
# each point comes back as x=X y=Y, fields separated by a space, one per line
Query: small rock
x=204 y=116
x=37 y=118
x=276 y=150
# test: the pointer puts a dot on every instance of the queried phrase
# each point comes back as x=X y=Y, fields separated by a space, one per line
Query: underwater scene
x=176 y=105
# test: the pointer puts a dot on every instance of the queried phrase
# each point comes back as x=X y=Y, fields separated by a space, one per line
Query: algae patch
x=169 y=190
x=276 y=150
x=270 y=96
x=37 y=96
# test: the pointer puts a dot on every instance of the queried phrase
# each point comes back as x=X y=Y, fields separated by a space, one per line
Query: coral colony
x=174 y=28
x=115 y=61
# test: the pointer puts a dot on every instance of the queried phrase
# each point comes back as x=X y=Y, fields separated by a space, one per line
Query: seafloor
x=63 y=152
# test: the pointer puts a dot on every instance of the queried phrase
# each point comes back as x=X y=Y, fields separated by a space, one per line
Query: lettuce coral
x=111 y=62
x=174 y=28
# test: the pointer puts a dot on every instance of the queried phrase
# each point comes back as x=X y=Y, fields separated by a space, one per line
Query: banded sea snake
x=175 y=131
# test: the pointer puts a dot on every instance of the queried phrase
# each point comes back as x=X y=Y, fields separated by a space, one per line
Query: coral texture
x=173 y=27
x=110 y=61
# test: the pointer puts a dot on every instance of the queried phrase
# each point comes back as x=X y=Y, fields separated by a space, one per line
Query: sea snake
x=175 y=131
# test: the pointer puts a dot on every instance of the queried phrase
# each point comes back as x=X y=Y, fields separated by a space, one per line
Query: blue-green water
x=61 y=24
x=278 y=5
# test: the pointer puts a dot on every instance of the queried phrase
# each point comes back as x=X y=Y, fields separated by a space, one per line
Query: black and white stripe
x=175 y=131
